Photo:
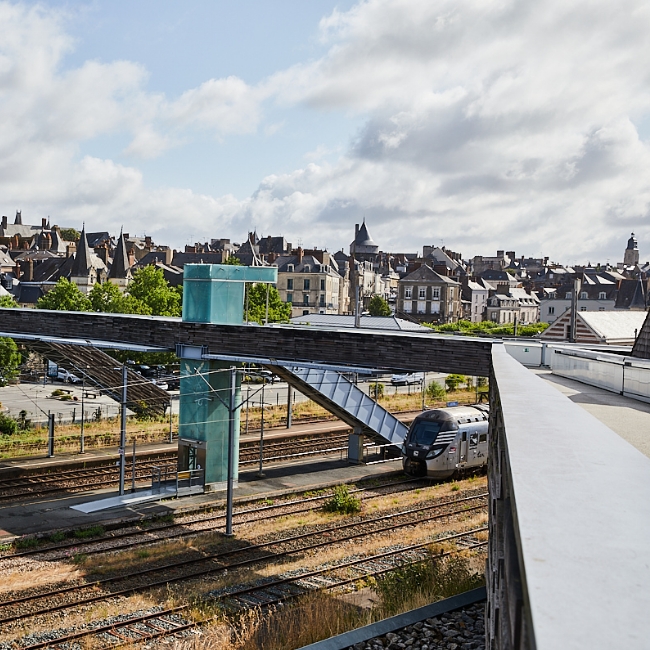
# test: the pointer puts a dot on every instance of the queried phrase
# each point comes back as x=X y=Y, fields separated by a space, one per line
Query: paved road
x=628 y=417
x=37 y=399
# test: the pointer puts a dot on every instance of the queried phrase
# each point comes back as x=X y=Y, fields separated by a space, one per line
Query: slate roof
x=82 y=261
x=120 y=265
x=392 y=323
x=426 y=274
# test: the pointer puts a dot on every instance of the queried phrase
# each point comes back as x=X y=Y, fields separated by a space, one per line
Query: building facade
x=429 y=297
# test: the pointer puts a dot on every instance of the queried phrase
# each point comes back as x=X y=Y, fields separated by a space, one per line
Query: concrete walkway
x=55 y=512
x=628 y=417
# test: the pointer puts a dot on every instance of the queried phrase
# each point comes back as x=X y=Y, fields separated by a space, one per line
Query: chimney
x=5 y=222
x=441 y=269
x=147 y=242
x=30 y=271
x=271 y=258
x=44 y=223
x=70 y=249
x=17 y=271
x=47 y=241
x=131 y=256
x=356 y=231
x=299 y=253
x=168 y=256
x=102 y=253
x=503 y=288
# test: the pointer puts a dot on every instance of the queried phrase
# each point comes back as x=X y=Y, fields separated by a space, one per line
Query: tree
x=64 y=296
x=9 y=360
x=454 y=381
x=150 y=288
x=378 y=307
x=7 y=301
x=279 y=312
x=70 y=234
x=109 y=299
x=8 y=426
x=232 y=261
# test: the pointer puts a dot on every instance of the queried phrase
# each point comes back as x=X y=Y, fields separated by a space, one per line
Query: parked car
x=161 y=383
x=407 y=378
x=66 y=376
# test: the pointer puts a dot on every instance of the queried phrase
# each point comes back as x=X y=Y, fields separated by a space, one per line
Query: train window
x=473 y=439
x=424 y=432
x=482 y=437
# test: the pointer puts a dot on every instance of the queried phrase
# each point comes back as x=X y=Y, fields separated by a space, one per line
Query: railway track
x=259 y=511
x=89 y=478
x=45 y=602
x=142 y=627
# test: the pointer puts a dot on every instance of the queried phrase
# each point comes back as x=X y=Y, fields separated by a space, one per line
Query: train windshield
x=424 y=432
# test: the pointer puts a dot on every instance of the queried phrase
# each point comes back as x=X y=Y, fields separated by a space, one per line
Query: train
x=446 y=442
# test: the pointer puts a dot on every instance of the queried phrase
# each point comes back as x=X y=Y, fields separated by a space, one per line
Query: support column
x=204 y=418
x=355 y=447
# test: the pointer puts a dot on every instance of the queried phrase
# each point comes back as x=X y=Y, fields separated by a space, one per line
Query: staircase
x=343 y=399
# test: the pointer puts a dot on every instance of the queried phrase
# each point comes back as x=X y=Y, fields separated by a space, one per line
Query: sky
x=477 y=124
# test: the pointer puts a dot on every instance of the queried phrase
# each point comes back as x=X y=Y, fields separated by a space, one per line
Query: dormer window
x=289 y=268
x=602 y=296
x=583 y=295
x=307 y=268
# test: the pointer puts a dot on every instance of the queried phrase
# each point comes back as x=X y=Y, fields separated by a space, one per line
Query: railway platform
x=316 y=473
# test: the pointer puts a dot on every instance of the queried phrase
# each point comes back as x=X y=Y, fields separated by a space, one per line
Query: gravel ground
x=460 y=630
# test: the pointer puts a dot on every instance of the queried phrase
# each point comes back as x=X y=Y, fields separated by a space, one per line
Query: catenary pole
x=123 y=430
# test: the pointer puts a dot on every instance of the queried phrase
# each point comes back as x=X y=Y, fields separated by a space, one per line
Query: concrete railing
x=569 y=556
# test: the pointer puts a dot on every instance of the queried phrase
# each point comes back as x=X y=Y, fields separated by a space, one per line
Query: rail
x=569 y=559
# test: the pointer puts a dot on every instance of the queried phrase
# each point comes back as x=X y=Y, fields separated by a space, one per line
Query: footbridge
x=569 y=558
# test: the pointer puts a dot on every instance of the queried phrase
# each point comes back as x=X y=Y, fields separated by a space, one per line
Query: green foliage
x=378 y=307
x=70 y=234
x=232 y=261
x=58 y=536
x=489 y=328
x=109 y=299
x=9 y=360
x=85 y=533
x=8 y=426
x=377 y=389
x=65 y=296
x=454 y=381
x=150 y=288
x=7 y=302
x=342 y=502
x=26 y=542
x=436 y=578
x=279 y=312
x=436 y=391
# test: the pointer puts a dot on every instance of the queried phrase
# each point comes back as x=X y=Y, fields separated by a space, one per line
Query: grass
x=85 y=533
x=23 y=543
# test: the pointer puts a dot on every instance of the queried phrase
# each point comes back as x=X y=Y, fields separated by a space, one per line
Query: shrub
x=436 y=391
x=377 y=389
x=93 y=531
x=342 y=502
x=454 y=381
x=435 y=577
x=8 y=426
x=57 y=392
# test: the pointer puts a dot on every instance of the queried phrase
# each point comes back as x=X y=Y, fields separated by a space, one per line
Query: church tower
x=631 y=257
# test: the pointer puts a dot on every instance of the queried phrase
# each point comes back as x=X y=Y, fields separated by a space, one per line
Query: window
x=305 y=299
x=307 y=268
x=408 y=292
x=422 y=307
x=601 y=309
x=583 y=295
x=583 y=309
x=567 y=295
x=290 y=268
x=289 y=284
x=436 y=293
x=493 y=316
x=602 y=296
x=551 y=310
x=422 y=293
x=289 y=297
x=407 y=307
x=322 y=285
x=305 y=284
x=322 y=300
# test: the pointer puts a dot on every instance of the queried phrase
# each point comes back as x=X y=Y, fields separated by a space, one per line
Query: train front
x=428 y=437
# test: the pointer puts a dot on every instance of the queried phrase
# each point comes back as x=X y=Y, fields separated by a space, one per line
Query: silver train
x=445 y=442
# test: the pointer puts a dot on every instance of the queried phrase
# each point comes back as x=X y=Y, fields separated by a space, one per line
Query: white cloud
x=487 y=124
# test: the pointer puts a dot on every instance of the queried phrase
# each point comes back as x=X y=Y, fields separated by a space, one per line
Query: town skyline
x=219 y=120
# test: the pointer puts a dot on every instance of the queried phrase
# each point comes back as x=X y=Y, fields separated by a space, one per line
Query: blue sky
x=519 y=124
